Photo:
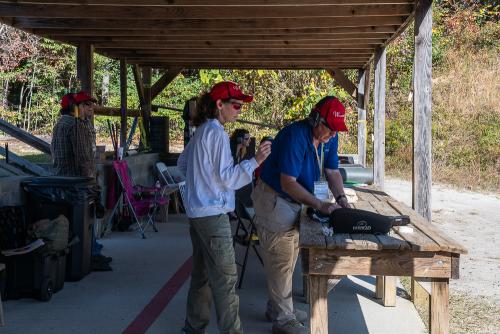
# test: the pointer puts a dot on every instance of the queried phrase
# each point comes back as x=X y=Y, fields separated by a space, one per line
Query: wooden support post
x=318 y=304
x=379 y=120
x=138 y=82
x=422 y=109
x=389 y=295
x=85 y=66
x=146 y=107
x=439 y=312
x=123 y=102
x=363 y=97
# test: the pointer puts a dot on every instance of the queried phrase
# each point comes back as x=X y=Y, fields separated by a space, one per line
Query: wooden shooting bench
x=426 y=255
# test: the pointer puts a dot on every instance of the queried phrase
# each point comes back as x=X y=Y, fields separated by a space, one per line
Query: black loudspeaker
x=346 y=220
x=159 y=129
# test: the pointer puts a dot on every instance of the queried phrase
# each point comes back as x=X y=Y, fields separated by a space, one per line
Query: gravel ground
x=473 y=219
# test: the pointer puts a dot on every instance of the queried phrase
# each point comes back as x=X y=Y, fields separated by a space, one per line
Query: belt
x=267 y=188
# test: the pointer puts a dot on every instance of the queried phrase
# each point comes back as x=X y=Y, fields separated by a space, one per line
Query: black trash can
x=75 y=198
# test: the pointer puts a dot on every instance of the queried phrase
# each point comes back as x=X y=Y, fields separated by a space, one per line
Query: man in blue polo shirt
x=303 y=153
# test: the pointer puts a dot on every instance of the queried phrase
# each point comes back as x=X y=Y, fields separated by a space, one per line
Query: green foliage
x=466 y=34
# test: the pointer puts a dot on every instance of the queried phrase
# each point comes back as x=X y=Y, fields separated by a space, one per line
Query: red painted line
x=149 y=314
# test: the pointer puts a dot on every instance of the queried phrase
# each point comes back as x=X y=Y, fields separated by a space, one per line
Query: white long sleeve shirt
x=211 y=176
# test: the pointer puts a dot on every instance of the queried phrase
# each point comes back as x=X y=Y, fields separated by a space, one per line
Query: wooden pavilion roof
x=265 y=34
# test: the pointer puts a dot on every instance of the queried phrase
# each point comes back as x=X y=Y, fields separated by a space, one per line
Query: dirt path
x=473 y=219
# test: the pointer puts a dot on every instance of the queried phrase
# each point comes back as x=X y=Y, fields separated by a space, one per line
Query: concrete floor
x=134 y=297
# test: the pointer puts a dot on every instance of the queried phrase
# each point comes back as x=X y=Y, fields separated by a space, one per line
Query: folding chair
x=176 y=174
x=171 y=185
x=245 y=234
x=142 y=201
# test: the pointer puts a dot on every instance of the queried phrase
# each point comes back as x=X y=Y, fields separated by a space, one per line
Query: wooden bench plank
x=417 y=239
x=392 y=240
x=365 y=242
x=363 y=205
x=365 y=194
x=311 y=234
x=445 y=243
x=340 y=241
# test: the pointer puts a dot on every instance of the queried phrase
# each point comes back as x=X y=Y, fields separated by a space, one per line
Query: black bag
x=347 y=220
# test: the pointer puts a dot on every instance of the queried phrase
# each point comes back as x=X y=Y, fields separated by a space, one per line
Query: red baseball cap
x=226 y=90
x=333 y=112
x=76 y=98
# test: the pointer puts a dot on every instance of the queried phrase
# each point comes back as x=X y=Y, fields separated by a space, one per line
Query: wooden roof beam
x=355 y=44
x=252 y=65
x=55 y=11
x=325 y=51
x=344 y=82
x=226 y=38
x=90 y=31
x=164 y=80
x=195 y=58
x=207 y=24
x=164 y=3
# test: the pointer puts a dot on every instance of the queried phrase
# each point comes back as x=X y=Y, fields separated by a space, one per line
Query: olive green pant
x=213 y=277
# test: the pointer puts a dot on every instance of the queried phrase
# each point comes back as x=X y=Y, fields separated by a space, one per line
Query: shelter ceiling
x=219 y=34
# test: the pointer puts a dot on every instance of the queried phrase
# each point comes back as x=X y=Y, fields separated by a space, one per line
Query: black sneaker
x=290 y=327
x=101 y=258
x=100 y=266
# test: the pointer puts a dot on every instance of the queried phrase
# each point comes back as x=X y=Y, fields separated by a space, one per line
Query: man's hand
x=343 y=202
x=263 y=152
x=327 y=208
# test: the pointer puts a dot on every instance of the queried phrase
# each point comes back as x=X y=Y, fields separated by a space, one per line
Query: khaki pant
x=276 y=221
x=214 y=276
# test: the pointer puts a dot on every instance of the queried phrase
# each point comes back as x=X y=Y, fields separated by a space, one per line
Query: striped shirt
x=73 y=147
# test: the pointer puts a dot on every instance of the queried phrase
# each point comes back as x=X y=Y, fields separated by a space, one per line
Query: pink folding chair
x=142 y=201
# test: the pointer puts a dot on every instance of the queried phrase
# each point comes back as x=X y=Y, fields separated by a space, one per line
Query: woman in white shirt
x=211 y=179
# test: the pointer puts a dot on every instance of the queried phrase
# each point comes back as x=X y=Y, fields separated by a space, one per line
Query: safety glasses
x=236 y=105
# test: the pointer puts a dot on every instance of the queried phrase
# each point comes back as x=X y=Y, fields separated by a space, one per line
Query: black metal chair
x=246 y=233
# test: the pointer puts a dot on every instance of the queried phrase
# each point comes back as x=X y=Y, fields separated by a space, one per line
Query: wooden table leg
x=389 y=295
x=318 y=304
x=379 y=287
x=385 y=289
x=305 y=287
x=439 y=313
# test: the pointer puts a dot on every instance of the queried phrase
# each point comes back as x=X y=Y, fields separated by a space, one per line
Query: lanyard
x=320 y=162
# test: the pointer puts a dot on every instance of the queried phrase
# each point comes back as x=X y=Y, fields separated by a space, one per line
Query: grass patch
x=37 y=158
x=468 y=314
